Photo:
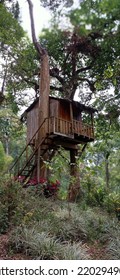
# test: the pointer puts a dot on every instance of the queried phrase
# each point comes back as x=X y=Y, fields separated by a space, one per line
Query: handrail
x=28 y=144
x=32 y=155
x=83 y=124
x=76 y=127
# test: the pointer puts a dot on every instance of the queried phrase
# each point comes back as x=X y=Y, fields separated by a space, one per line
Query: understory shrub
x=41 y=245
x=112 y=201
x=11 y=197
x=3 y=218
x=113 y=247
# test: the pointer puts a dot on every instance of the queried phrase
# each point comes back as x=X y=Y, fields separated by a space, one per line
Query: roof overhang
x=77 y=104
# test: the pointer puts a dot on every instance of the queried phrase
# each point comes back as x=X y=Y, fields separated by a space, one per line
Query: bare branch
x=37 y=45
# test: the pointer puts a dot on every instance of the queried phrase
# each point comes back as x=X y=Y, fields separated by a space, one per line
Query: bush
x=113 y=247
x=3 y=218
x=10 y=200
x=5 y=160
x=112 y=201
x=41 y=245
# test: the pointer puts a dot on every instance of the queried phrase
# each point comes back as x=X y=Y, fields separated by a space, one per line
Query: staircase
x=27 y=161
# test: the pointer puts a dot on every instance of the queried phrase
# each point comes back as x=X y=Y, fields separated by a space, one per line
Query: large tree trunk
x=74 y=187
x=44 y=90
x=43 y=112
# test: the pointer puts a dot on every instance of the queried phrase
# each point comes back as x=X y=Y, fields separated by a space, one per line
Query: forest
x=67 y=205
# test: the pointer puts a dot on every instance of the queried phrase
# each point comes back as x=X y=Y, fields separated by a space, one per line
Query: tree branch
x=85 y=68
x=56 y=88
x=37 y=45
x=2 y=96
x=91 y=84
x=54 y=73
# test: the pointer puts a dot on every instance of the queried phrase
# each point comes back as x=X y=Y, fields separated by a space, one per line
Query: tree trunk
x=44 y=90
x=43 y=112
x=107 y=174
x=74 y=187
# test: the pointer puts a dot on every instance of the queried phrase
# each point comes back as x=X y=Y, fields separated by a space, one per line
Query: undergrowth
x=52 y=229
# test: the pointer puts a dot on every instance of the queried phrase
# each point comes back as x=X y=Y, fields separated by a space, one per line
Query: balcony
x=75 y=130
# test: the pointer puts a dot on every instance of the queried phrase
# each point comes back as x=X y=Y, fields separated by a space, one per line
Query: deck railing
x=60 y=126
x=69 y=128
x=83 y=129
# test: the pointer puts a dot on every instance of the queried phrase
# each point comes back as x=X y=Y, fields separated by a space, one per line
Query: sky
x=41 y=16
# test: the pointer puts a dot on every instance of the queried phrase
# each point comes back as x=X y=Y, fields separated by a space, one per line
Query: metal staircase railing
x=27 y=158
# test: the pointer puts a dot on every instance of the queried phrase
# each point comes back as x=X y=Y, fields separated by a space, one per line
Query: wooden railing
x=68 y=128
x=85 y=130
x=60 y=126
x=28 y=153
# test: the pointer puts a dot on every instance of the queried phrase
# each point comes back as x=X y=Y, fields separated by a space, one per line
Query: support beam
x=65 y=145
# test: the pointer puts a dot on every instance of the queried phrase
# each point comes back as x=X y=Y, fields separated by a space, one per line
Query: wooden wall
x=60 y=109
x=76 y=112
x=64 y=110
x=53 y=108
x=32 y=122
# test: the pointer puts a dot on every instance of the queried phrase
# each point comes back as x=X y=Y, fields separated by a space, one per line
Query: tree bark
x=44 y=89
x=74 y=187
x=37 y=45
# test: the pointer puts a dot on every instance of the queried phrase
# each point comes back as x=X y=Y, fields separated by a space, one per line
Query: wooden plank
x=53 y=108
x=65 y=145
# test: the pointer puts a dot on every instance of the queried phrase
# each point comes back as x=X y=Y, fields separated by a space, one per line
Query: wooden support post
x=71 y=117
x=92 y=121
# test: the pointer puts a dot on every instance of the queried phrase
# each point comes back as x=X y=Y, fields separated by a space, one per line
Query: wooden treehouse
x=68 y=124
x=54 y=122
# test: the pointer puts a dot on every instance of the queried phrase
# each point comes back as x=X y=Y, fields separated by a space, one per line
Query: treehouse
x=68 y=123
x=54 y=122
